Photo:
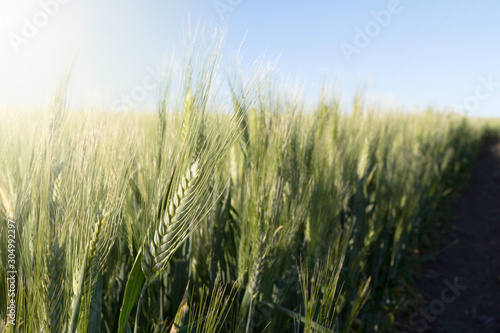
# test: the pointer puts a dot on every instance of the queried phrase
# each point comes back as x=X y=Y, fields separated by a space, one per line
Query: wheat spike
x=363 y=160
x=189 y=114
x=54 y=285
x=172 y=229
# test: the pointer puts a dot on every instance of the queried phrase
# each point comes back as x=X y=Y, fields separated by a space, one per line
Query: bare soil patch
x=461 y=286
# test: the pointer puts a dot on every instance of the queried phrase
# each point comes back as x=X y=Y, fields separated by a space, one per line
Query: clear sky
x=414 y=53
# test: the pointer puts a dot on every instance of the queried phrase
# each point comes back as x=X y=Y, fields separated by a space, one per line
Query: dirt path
x=462 y=288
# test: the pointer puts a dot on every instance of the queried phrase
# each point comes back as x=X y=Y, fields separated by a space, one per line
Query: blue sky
x=412 y=53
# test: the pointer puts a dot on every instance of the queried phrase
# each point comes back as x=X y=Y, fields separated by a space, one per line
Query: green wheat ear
x=56 y=285
x=172 y=229
x=189 y=114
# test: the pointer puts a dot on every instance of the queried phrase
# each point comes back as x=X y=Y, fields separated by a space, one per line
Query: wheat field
x=263 y=214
